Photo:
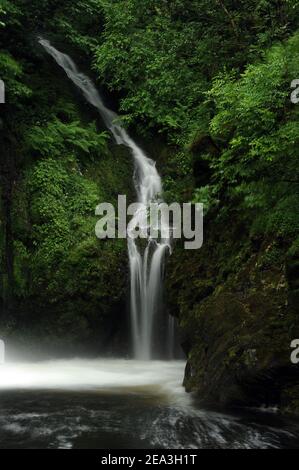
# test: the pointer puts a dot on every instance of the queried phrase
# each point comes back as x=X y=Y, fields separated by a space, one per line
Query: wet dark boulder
x=238 y=323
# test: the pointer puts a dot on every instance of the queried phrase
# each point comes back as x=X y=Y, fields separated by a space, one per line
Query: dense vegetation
x=55 y=168
x=208 y=84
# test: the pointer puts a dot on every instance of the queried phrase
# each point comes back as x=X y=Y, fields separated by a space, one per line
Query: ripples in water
x=110 y=404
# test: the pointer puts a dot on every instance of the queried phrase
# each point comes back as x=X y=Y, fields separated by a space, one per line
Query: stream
x=119 y=403
x=146 y=264
x=122 y=404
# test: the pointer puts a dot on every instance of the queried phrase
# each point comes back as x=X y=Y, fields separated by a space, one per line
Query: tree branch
x=232 y=21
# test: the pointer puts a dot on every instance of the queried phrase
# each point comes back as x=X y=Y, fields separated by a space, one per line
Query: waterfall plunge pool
x=121 y=404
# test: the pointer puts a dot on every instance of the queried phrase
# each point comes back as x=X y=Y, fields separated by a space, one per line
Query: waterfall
x=146 y=263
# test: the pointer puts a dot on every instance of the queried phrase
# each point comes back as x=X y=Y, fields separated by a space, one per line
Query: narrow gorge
x=140 y=343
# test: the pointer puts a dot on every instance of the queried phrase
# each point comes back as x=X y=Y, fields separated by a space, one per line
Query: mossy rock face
x=237 y=322
x=290 y=398
x=240 y=348
x=293 y=273
x=69 y=288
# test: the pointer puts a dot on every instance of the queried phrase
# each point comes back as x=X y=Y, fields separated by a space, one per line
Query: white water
x=146 y=265
x=108 y=403
x=100 y=374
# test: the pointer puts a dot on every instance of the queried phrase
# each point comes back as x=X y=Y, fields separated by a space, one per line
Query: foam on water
x=109 y=403
x=80 y=374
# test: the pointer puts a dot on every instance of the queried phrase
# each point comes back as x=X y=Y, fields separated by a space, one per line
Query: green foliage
x=177 y=176
x=206 y=195
x=62 y=221
x=255 y=124
x=54 y=138
x=9 y=14
x=79 y=23
x=164 y=54
x=11 y=68
x=213 y=77
x=11 y=72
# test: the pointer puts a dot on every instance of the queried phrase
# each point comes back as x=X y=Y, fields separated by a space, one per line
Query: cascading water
x=146 y=264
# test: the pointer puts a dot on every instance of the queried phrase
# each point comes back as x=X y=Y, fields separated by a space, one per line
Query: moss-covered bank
x=61 y=289
x=236 y=300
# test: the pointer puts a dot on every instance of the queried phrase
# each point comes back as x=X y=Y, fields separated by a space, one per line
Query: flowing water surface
x=128 y=404
x=146 y=264
x=121 y=404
